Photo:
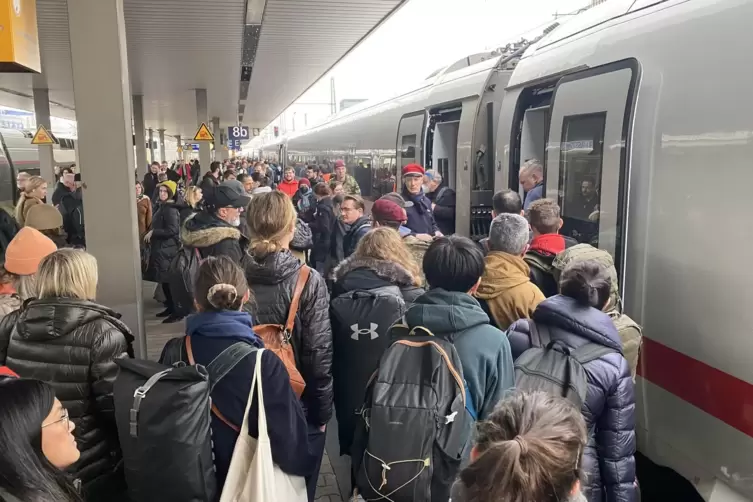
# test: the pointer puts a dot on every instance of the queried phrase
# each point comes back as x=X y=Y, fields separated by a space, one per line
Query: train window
x=408 y=147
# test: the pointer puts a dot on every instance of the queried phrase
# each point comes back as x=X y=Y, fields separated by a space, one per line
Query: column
x=46 y=157
x=152 y=158
x=224 y=152
x=202 y=115
x=161 y=144
x=140 y=136
x=102 y=95
x=180 y=145
x=217 y=138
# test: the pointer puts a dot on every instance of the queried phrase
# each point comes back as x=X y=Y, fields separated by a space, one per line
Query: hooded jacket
x=322 y=226
x=507 y=290
x=483 y=349
x=539 y=257
x=213 y=236
x=355 y=233
x=72 y=345
x=165 y=241
x=272 y=280
x=289 y=188
x=609 y=407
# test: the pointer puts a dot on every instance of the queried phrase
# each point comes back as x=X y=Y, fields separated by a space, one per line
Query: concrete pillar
x=202 y=115
x=46 y=157
x=161 y=145
x=217 y=138
x=140 y=135
x=224 y=152
x=180 y=145
x=102 y=95
x=152 y=158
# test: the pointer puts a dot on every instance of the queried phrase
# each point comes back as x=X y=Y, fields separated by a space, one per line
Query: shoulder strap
x=540 y=336
x=589 y=352
x=303 y=277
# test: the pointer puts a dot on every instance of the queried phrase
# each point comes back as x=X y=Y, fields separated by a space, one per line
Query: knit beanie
x=44 y=217
x=26 y=250
x=171 y=186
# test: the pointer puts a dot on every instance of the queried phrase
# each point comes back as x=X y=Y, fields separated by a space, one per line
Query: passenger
x=313 y=174
x=337 y=188
x=442 y=201
x=35 y=190
x=220 y=292
x=545 y=221
x=288 y=185
x=351 y=211
x=630 y=332
x=587 y=202
x=303 y=240
x=151 y=179
x=529 y=449
x=420 y=217
x=194 y=203
x=172 y=174
x=229 y=175
x=575 y=318
x=350 y=185
x=49 y=222
x=61 y=188
x=67 y=340
x=531 y=177
x=506 y=292
x=72 y=208
x=21 y=179
x=211 y=179
x=322 y=222
x=303 y=198
x=214 y=231
x=453 y=266
x=195 y=171
x=248 y=182
x=261 y=184
x=37 y=444
x=143 y=210
x=272 y=273
x=372 y=288
x=504 y=202
x=22 y=258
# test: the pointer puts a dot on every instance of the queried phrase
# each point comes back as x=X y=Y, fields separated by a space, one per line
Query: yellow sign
x=203 y=134
x=42 y=137
x=19 y=41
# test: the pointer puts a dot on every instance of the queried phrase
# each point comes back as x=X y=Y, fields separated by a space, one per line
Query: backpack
x=184 y=268
x=550 y=366
x=278 y=338
x=164 y=425
x=414 y=430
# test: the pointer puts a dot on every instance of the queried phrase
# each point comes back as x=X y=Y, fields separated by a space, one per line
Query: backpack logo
x=357 y=332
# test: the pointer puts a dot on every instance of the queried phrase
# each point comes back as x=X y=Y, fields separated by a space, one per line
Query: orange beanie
x=26 y=250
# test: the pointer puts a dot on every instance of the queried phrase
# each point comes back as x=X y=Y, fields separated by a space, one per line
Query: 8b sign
x=235 y=135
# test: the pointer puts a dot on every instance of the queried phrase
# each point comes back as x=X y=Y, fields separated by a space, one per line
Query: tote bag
x=253 y=476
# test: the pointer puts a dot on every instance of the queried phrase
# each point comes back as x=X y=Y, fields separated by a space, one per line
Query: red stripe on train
x=719 y=394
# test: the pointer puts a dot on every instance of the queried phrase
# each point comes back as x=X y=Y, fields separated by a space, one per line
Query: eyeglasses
x=65 y=418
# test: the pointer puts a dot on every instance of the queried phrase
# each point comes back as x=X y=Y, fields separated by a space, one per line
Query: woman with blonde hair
x=372 y=289
x=69 y=341
x=34 y=192
x=273 y=274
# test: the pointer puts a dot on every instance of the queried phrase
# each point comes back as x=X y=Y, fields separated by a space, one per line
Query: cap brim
x=243 y=201
x=410 y=175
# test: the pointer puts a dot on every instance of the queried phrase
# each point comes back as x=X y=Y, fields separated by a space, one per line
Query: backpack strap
x=589 y=352
x=303 y=277
x=540 y=336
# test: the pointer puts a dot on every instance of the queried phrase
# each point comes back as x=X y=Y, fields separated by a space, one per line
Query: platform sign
x=203 y=134
x=42 y=137
x=235 y=135
x=19 y=40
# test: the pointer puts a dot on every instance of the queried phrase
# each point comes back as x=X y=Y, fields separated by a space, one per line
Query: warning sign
x=203 y=134
x=42 y=137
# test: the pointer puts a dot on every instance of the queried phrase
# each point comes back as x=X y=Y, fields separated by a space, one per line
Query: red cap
x=339 y=163
x=304 y=181
x=413 y=170
x=386 y=210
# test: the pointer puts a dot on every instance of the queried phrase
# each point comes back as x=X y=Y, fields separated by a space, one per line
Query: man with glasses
x=351 y=213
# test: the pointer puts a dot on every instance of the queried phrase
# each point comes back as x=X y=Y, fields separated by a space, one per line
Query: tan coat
x=144 y=210
x=27 y=204
x=507 y=289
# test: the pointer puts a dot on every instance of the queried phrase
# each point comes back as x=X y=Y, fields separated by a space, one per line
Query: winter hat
x=170 y=185
x=387 y=210
x=26 y=250
x=339 y=163
x=44 y=217
x=304 y=181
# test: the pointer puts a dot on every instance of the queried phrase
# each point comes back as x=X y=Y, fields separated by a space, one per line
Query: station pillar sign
x=19 y=39
x=235 y=135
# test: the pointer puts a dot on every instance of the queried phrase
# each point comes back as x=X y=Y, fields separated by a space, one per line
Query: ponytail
x=271 y=219
x=587 y=282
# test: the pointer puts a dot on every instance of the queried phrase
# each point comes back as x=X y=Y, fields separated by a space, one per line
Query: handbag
x=253 y=476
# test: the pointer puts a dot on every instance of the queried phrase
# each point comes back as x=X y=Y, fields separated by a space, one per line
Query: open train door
x=410 y=141
x=587 y=154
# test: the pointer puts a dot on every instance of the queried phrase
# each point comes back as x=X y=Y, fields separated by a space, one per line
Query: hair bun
x=222 y=296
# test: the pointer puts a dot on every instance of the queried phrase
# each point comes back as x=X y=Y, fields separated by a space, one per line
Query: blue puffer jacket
x=609 y=409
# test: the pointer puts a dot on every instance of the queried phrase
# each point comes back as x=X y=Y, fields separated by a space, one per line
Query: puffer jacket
x=213 y=236
x=165 y=241
x=272 y=280
x=72 y=345
x=322 y=226
x=609 y=407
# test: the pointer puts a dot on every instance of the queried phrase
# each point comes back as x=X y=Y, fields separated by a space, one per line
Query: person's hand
x=323 y=428
x=148 y=236
x=438 y=234
x=433 y=205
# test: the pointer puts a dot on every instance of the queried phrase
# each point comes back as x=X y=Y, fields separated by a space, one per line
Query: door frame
x=420 y=145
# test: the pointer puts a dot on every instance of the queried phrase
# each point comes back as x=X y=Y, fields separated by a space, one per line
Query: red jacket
x=289 y=188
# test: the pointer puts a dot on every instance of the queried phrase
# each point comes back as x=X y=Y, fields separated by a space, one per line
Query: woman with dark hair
x=36 y=442
x=575 y=318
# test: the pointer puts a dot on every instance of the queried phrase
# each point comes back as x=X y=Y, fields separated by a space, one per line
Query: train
x=646 y=98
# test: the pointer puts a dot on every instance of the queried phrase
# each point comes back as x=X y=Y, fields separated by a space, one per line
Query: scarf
x=224 y=324
x=417 y=200
x=548 y=244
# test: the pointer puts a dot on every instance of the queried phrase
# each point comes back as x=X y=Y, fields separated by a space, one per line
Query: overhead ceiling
x=177 y=46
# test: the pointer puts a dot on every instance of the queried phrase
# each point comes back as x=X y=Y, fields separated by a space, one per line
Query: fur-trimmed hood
x=202 y=230
x=391 y=272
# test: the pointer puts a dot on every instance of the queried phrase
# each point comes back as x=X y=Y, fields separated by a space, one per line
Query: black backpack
x=415 y=429
x=164 y=426
x=550 y=366
x=181 y=276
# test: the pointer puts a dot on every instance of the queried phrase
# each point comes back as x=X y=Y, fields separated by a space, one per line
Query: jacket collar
x=223 y=324
x=446 y=312
x=272 y=269
x=391 y=272
x=502 y=272
x=202 y=230
x=548 y=244
x=587 y=322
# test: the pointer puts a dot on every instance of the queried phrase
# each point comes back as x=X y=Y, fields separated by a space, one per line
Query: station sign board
x=19 y=39
x=236 y=135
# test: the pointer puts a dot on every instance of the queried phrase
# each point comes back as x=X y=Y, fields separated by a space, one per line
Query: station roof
x=254 y=57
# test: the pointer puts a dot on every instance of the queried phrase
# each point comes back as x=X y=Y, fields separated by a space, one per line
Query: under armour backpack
x=414 y=429
x=551 y=366
x=360 y=320
x=183 y=270
x=164 y=425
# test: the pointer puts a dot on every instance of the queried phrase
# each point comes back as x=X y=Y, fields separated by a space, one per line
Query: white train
x=647 y=98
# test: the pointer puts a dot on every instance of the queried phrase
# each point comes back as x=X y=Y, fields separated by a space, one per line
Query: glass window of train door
x=582 y=102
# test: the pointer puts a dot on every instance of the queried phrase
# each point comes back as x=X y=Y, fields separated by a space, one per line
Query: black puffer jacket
x=272 y=281
x=165 y=241
x=213 y=236
x=72 y=344
x=322 y=225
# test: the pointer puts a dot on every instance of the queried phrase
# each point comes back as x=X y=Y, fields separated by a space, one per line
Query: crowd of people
x=457 y=370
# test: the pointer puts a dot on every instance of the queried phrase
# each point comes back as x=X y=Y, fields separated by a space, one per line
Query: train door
x=587 y=154
x=410 y=134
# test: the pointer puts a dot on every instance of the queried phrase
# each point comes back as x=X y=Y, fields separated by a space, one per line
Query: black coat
x=165 y=242
x=72 y=344
x=150 y=184
x=355 y=233
x=420 y=216
x=60 y=191
x=322 y=225
x=272 y=282
x=208 y=183
x=72 y=209
x=444 y=210
x=213 y=236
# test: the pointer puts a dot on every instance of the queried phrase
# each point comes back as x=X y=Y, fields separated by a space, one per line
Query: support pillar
x=202 y=115
x=140 y=136
x=152 y=158
x=217 y=138
x=224 y=151
x=102 y=95
x=180 y=145
x=46 y=157
x=162 y=157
